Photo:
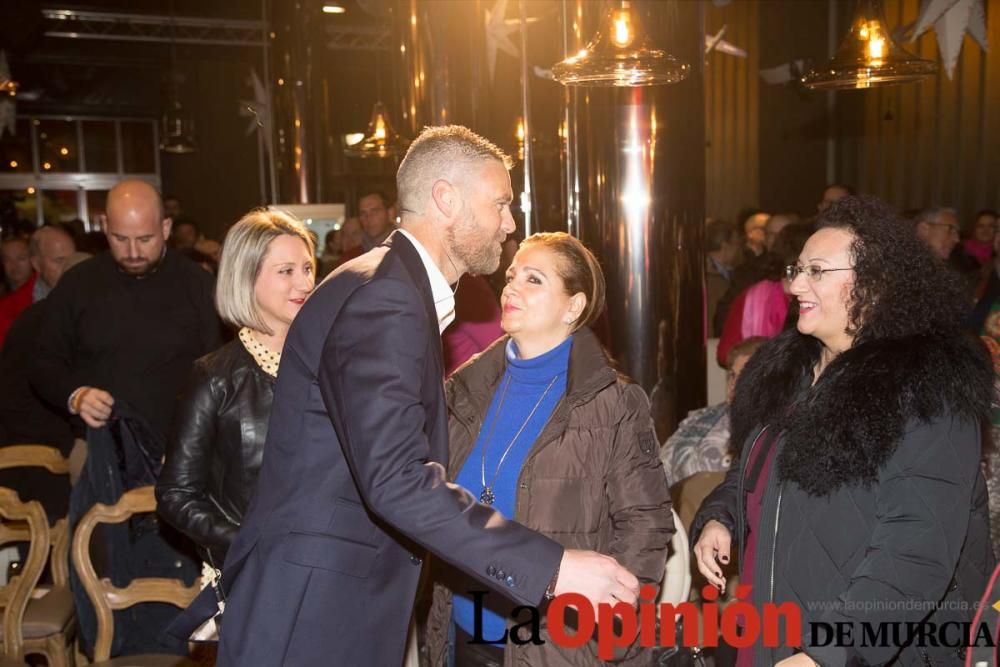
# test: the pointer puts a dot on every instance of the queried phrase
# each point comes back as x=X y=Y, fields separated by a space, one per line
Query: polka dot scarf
x=267 y=359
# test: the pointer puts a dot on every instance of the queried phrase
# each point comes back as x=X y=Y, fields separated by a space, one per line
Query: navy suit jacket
x=353 y=487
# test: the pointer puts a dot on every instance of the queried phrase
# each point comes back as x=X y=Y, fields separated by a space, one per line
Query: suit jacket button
x=491 y=570
x=510 y=581
x=415 y=560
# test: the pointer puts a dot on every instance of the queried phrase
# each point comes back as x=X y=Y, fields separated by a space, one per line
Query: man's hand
x=94 y=406
x=597 y=577
x=712 y=549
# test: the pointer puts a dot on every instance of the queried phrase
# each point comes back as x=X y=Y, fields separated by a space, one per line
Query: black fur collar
x=845 y=427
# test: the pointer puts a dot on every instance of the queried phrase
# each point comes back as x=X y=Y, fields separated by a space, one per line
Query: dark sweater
x=135 y=338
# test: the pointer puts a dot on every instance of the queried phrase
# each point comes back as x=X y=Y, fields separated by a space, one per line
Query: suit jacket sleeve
x=371 y=380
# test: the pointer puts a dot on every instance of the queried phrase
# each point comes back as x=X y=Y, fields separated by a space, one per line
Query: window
x=58 y=168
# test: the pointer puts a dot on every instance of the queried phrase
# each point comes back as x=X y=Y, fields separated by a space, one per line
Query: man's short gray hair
x=933 y=214
x=440 y=152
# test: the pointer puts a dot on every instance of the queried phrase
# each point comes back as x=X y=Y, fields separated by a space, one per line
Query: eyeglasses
x=952 y=229
x=813 y=273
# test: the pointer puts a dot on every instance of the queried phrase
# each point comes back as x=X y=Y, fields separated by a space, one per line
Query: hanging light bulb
x=868 y=56
x=380 y=140
x=620 y=55
x=177 y=134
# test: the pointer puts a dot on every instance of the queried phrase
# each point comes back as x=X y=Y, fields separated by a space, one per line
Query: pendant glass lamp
x=620 y=54
x=868 y=56
x=177 y=134
x=380 y=140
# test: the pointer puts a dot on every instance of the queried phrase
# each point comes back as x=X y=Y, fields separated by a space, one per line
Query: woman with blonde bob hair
x=543 y=428
x=266 y=272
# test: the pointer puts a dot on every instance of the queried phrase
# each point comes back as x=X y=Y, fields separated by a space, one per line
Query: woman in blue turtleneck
x=543 y=429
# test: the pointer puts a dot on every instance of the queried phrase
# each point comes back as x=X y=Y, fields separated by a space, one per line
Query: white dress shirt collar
x=444 y=297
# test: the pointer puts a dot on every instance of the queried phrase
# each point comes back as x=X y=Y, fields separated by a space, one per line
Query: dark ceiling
x=117 y=77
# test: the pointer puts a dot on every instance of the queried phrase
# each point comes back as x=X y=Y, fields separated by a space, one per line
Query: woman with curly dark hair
x=858 y=494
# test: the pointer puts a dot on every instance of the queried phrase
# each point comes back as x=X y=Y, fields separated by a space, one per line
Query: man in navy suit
x=352 y=491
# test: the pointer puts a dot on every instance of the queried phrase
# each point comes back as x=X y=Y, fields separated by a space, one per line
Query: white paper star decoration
x=951 y=20
x=498 y=31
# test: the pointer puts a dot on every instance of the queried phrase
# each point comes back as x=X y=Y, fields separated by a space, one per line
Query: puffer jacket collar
x=845 y=427
x=471 y=387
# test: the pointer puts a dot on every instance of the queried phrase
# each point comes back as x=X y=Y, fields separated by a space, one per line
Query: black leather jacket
x=215 y=448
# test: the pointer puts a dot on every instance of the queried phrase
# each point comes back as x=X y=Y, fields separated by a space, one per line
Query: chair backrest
x=34 y=456
x=105 y=596
x=676 y=585
x=50 y=458
x=22 y=522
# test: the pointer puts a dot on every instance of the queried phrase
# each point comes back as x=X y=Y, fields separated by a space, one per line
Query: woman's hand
x=797 y=660
x=711 y=550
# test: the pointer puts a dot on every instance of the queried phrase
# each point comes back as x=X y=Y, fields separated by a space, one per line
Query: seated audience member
x=16 y=257
x=378 y=217
x=979 y=241
x=49 y=248
x=184 y=233
x=722 y=253
x=544 y=429
x=775 y=224
x=330 y=255
x=763 y=308
x=476 y=325
x=217 y=441
x=753 y=232
x=351 y=241
x=701 y=442
x=752 y=269
x=938 y=228
x=832 y=193
x=24 y=417
x=859 y=435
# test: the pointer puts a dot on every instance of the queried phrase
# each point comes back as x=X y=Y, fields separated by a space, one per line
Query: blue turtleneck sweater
x=522 y=387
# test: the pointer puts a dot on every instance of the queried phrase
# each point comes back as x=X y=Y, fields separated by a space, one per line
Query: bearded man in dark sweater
x=127 y=324
x=121 y=333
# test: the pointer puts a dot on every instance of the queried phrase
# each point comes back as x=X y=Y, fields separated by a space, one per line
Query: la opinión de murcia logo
x=572 y=623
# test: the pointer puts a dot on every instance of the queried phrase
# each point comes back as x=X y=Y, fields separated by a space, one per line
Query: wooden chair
x=106 y=597
x=22 y=522
x=49 y=626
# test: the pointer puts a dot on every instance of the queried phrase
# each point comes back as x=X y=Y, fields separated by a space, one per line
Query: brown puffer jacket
x=592 y=480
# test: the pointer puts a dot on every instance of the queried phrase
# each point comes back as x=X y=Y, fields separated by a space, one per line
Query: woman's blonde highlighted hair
x=243 y=254
x=579 y=270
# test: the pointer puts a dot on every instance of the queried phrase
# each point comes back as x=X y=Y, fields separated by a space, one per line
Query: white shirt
x=444 y=297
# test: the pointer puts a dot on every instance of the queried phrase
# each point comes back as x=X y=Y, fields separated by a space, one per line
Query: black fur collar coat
x=845 y=427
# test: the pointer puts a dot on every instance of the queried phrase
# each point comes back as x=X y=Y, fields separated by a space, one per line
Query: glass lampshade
x=620 y=54
x=380 y=140
x=868 y=56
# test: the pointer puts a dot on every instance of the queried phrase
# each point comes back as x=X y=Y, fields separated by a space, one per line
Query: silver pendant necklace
x=487 y=497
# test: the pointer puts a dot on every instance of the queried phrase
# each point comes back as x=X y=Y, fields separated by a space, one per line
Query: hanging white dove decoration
x=951 y=20
x=257 y=110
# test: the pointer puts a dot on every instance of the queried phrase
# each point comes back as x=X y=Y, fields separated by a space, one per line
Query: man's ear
x=446 y=198
x=168 y=224
x=36 y=263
